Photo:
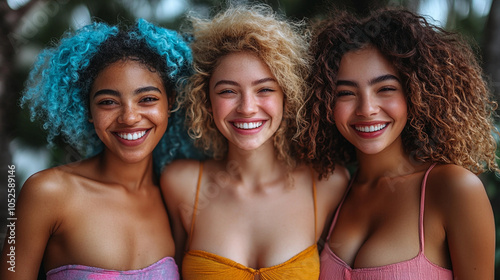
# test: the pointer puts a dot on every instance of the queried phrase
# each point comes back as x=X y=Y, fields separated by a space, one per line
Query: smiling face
x=129 y=109
x=247 y=102
x=370 y=110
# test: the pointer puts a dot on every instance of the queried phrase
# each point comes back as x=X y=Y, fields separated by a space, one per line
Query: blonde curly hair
x=281 y=44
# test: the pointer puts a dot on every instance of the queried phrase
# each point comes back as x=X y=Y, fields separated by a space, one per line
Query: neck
x=389 y=163
x=256 y=167
x=132 y=176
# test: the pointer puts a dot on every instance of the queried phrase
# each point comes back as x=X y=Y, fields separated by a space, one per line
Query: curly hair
x=281 y=44
x=450 y=108
x=58 y=85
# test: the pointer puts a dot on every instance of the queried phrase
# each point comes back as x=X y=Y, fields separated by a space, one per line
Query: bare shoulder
x=453 y=187
x=337 y=181
x=47 y=185
x=457 y=197
x=454 y=180
x=179 y=176
x=331 y=189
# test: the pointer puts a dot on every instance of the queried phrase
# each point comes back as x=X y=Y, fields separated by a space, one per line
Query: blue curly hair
x=59 y=83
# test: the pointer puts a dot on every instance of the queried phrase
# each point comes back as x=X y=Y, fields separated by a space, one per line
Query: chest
x=255 y=229
x=111 y=231
x=378 y=226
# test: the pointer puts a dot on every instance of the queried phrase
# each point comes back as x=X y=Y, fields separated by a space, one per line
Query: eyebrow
x=233 y=83
x=371 y=82
x=117 y=94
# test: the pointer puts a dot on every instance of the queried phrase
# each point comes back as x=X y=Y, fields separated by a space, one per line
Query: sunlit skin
x=127 y=98
x=243 y=92
x=105 y=211
x=378 y=222
x=370 y=111
x=248 y=211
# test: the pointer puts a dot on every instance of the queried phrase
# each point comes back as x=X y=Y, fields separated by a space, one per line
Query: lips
x=248 y=125
x=132 y=136
x=370 y=128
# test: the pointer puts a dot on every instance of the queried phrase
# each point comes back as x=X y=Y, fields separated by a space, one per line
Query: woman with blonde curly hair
x=405 y=101
x=252 y=210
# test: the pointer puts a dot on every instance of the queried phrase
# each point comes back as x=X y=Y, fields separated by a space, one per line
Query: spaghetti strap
x=195 y=207
x=422 y=204
x=314 y=201
x=334 y=221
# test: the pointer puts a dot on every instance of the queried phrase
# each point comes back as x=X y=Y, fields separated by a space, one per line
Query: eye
x=149 y=99
x=266 y=90
x=344 y=93
x=387 y=89
x=226 y=91
x=106 y=102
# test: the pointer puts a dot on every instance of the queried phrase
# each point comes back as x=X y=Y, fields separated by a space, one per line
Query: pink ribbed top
x=417 y=268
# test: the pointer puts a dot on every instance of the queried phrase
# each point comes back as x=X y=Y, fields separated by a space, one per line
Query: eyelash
x=387 y=89
x=267 y=90
x=106 y=102
x=264 y=90
x=344 y=93
x=149 y=99
x=226 y=91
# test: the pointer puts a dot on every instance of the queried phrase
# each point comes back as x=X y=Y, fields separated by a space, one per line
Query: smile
x=249 y=125
x=370 y=128
x=132 y=136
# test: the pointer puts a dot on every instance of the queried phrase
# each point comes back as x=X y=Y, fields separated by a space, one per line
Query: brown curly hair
x=281 y=44
x=450 y=110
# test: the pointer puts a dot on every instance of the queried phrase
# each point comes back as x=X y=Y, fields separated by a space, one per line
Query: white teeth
x=371 y=128
x=250 y=125
x=132 y=136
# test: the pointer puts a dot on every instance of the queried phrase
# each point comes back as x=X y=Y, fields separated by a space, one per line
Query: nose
x=248 y=104
x=129 y=115
x=367 y=105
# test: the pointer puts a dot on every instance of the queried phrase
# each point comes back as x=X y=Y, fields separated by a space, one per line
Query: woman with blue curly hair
x=109 y=93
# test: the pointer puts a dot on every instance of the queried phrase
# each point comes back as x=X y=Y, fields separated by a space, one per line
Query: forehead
x=126 y=73
x=365 y=63
x=241 y=65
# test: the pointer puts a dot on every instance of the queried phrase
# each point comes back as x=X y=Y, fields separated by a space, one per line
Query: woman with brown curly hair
x=405 y=101
x=251 y=211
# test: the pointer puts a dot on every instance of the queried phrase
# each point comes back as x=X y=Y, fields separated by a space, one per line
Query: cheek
x=340 y=113
x=398 y=108
x=220 y=108
x=100 y=119
x=158 y=115
x=274 y=106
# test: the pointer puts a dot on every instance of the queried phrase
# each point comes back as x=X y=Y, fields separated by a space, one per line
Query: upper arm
x=330 y=192
x=469 y=225
x=29 y=233
x=178 y=190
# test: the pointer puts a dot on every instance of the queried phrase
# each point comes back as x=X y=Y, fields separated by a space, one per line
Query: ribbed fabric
x=207 y=266
x=202 y=265
x=164 y=269
x=418 y=268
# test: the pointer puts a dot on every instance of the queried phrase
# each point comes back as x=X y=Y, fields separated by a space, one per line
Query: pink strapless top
x=164 y=269
x=417 y=268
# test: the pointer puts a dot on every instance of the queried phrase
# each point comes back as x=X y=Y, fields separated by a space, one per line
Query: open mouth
x=370 y=128
x=247 y=125
x=132 y=136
